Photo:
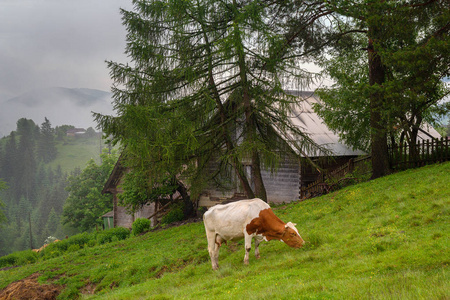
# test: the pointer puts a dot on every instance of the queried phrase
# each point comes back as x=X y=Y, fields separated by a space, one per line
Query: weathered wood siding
x=284 y=185
x=121 y=216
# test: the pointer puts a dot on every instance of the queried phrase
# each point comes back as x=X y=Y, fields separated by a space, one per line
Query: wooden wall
x=284 y=185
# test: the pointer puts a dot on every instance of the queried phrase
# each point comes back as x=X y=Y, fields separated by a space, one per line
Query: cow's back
x=229 y=220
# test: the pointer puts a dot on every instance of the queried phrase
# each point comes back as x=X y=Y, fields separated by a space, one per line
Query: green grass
x=383 y=239
x=76 y=152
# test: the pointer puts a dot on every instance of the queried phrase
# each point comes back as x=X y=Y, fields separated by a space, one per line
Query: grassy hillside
x=384 y=239
x=76 y=152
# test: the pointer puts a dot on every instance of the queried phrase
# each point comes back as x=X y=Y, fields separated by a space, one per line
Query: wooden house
x=282 y=186
x=119 y=215
x=73 y=132
x=294 y=172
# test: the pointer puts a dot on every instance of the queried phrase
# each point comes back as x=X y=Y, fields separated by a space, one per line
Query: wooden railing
x=401 y=157
x=404 y=156
x=328 y=182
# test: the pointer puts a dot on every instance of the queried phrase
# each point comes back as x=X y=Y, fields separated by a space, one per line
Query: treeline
x=34 y=191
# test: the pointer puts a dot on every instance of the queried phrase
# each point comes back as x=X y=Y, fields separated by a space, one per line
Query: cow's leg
x=213 y=249
x=248 y=247
x=257 y=241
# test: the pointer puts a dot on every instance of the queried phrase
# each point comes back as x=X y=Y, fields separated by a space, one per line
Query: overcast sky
x=49 y=43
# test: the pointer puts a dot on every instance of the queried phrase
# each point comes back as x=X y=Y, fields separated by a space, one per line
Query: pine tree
x=46 y=148
x=207 y=84
x=51 y=226
x=9 y=160
x=26 y=163
x=3 y=186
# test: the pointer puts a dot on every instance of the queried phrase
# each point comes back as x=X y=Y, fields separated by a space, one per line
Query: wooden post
x=447 y=149
x=405 y=156
x=422 y=154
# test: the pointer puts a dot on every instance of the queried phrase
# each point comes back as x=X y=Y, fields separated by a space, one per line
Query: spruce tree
x=206 y=84
x=46 y=148
x=3 y=186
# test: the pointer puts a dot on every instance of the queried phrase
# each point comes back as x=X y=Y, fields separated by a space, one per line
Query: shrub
x=140 y=225
x=79 y=240
x=19 y=258
x=112 y=234
x=174 y=215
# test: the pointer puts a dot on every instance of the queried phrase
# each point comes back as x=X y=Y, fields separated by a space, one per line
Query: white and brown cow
x=246 y=219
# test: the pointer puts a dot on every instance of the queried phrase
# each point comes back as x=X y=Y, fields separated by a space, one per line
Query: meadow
x=382 y=239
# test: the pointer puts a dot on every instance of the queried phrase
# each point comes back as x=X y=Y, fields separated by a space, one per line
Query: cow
x=246 y=219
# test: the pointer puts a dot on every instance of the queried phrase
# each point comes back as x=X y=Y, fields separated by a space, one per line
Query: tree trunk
x=380 y=156
x=223 y=119
x=260 y=189
x=250 y=125
x=188 y=209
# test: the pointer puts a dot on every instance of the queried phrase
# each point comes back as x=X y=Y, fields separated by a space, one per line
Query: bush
x=174 y=215
x=18 y=258
x=79 y=240
x=140 y=225
x=113 y=234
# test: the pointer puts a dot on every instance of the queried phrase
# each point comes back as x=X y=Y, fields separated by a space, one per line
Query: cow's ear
x=289 y=224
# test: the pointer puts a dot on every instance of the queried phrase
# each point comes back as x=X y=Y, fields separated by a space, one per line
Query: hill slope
x=384 y=239
x=76 y=152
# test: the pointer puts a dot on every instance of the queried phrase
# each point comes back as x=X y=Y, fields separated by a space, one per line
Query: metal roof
x=305 y=118
x=310 y=123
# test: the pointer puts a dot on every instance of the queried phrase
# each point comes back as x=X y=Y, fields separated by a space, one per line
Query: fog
x=56 y=43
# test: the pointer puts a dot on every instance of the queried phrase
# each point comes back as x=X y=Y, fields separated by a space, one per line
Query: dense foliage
x=32 y=182
x=388 y=69
x=85 y=203
x=204 y=88
x=140 y=225
x=3 y=186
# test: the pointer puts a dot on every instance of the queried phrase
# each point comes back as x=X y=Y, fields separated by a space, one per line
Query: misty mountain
x=62 y=106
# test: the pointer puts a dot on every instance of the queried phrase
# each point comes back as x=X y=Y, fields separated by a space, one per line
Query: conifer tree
x=206 y=83
x=9 y=160
x=26 y=163
x=3 y=186
x=46 y=148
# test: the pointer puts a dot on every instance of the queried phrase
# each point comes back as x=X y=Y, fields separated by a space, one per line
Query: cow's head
x=291 y=236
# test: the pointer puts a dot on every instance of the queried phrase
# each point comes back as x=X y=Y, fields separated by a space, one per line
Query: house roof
x=427 y=132
x=114 y=177
x=305 y=118
x=108 y=214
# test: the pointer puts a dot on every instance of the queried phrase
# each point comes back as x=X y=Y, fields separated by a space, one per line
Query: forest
x=35 y=181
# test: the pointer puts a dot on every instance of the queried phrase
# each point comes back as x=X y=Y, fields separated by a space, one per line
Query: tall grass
x=384 y=239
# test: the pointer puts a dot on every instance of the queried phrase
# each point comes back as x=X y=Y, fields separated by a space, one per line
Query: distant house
x=75 y=132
